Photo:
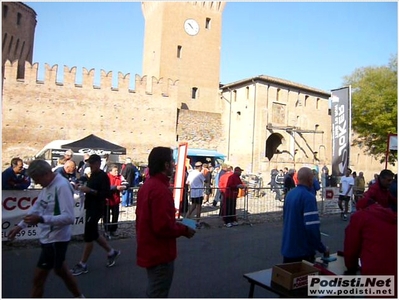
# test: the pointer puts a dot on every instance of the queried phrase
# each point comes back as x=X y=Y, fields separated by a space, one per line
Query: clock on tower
x=191 y=27
x=182 y=42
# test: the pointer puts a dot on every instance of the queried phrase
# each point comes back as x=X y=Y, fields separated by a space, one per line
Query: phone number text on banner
x=16 y=204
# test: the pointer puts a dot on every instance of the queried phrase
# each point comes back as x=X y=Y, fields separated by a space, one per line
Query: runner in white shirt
x=196 y=181
x=53 y=212
x=345 y=192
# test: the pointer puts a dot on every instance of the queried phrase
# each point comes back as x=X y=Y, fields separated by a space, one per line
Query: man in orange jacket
x=229 y=184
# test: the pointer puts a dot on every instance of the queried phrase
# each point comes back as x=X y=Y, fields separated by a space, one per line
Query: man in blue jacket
x=301 y=233
x=14 y=177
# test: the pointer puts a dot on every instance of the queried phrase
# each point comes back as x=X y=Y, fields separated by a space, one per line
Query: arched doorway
x=272 y=143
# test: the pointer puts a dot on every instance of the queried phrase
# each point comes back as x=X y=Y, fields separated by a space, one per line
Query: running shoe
x=112 y=258
x=78 y=269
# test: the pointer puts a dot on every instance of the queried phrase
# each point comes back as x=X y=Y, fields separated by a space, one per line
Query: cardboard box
x=293 y=275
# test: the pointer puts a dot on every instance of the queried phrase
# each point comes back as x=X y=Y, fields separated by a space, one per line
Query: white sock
x=82 y=264
x=111 y=252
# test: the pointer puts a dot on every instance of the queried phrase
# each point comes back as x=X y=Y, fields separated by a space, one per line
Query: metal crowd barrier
x=258 y=205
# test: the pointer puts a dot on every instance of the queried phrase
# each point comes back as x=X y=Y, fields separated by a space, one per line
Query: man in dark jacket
x=14 y=177
x=131 y=174
x=279 y=185
x=273 y=174
x=68 y=170
x=289 y=182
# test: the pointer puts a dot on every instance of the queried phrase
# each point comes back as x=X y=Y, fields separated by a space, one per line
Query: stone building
x=281 y=122
x=258 y=122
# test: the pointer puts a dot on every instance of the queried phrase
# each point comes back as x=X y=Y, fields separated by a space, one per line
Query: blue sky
x=311 y=43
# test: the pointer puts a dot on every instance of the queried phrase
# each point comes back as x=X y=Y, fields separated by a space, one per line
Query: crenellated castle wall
x=36 y=112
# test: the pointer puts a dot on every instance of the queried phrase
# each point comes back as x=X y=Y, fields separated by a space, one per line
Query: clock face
x=191 y=27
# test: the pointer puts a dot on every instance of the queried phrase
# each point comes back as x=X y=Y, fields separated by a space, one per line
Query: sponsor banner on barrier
x=351 y=286
x=17 y=203
x=331 y=200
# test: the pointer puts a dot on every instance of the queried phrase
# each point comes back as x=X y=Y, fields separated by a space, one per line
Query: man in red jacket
x=372 y=236
x=156 y=226
x=379 y=192
x=111 y=213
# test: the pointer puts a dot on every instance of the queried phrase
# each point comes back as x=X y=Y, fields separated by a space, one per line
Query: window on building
x=235 y=95
x=5 y=11
x=28 y=53
x=247 y=91
x=208 y=23
x=306 y=100
x=22 y=50
x=278 y=94
x=19 y=17
x=10 y=45
x=298 y=101
x=194 y=93
x=4 y=42
x=179 y=51
x=317 y=103
x=16 y=48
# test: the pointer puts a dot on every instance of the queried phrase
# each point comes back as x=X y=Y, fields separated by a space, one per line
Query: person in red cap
x=229 y=185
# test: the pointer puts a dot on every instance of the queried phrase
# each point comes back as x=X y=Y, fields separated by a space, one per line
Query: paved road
x=210 y=265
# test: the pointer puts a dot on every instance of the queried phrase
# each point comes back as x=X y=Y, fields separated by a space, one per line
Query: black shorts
x=197 y=200
x=344 y=198
x=91 y=225
x=52 y=255
x=207 y=191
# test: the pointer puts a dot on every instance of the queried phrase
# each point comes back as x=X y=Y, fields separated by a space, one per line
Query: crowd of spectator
x=370 y=237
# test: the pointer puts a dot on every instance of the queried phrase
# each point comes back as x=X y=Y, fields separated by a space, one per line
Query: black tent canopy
x=92 y=143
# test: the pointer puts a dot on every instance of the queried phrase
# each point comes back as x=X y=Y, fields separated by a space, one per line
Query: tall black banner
x=341 y=130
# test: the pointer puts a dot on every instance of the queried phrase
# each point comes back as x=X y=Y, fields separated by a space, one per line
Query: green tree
x=374 y=107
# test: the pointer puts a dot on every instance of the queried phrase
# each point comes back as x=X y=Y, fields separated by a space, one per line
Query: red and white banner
x=180 y=175
x=17 y=203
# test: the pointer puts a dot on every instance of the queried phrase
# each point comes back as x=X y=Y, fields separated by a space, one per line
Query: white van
x=203 y=155
x=54 y=150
